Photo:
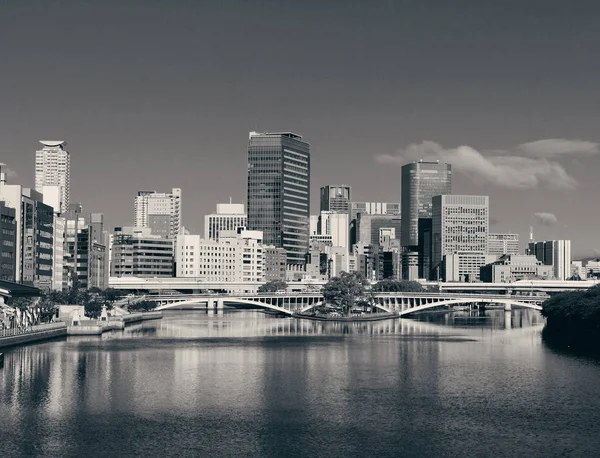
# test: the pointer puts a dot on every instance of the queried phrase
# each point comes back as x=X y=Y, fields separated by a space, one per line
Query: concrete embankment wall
x=39 y=332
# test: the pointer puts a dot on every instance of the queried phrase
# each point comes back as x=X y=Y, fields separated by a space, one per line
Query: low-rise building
x=511 y=268
x=238 y=256
x=274 y=263
x=137 y=252
x=464 y=266
x=8 y=245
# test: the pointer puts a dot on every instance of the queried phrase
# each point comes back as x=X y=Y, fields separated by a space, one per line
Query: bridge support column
x=507 y=307
x=219 y=304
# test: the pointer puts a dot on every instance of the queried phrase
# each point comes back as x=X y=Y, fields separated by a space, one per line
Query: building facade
x=8 y=242
x=510 y=268
x=53 y=168
x=368 y=227
x=555 y=253
x=336 y=225
x=238 y=256
x=421 y=181
x=335 y=199
x=139 y=253
x=161 y=212
x=274 y=263
x=227 y=218
x=464 y=266
x=501 y=244
x=374 y=208
x=459 y=223
x=278 y=197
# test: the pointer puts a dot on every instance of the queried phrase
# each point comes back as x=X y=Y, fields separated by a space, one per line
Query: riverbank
x=372 y=317
x=34 y=334
x=48 y=331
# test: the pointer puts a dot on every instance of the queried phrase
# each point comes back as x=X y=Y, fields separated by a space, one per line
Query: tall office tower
x=53 y=196
x=556 y=253
x=314 y=225
x=335 y=199
x=420 y=182
x=227 y=218
x=500 y=244
x=368 y=227
x=9 y=234
x=279 y=191
x=459 y=224
x=53 y=168
x=159 y=211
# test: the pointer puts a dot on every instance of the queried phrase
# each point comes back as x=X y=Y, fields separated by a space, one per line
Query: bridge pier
x=507 y=307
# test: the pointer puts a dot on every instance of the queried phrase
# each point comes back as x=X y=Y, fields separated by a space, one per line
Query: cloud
x=545 y=219
x=499 y=168
x=10 y=173
x=554 y=147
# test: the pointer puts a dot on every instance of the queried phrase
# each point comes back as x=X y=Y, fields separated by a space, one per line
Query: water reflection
x=251 y=384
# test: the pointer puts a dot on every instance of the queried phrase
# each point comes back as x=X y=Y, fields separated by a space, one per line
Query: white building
x=561 y=259
x=501 y=244
x=159 y=211
x=237 y=256
x=53 y=168
x=464 y=266
x=336 y=225
x=227 y=218
x=53 y=195
x=459 y=223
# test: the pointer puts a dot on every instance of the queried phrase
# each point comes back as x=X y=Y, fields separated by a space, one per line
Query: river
x=252 y=385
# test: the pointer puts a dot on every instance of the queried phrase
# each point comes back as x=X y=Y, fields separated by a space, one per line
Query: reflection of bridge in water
x=401 y=304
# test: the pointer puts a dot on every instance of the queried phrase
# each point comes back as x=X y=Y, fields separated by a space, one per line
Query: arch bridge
x=401 y=304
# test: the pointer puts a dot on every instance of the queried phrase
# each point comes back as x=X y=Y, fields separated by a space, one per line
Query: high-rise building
x=139 y=253
x=279 y=191
x=274 y=263
x=501 y=244
x=335 y=199
x=421 y=181
x=459 y=223
x=335 y=224
x=159 y=211
x=53 y=168
x=227 y=218
x=34 y=225
x=556 y=253
x=53 y=195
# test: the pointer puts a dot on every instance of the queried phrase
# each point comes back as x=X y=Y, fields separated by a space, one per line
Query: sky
x=160 y=94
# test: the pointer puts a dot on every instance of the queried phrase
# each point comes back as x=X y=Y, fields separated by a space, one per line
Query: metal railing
x=10 y=332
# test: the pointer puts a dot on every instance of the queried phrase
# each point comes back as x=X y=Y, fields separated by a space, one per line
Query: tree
x=142 y=306
x=398 y=286
x=110 y=296
x=345 y=290
x=272 y=286
x=93 y=308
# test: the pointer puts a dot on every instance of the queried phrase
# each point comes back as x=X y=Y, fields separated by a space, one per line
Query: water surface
x=252 y=385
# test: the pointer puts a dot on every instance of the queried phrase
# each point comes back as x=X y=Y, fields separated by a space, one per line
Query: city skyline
x=186 y=125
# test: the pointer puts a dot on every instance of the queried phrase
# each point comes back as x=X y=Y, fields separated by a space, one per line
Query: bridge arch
x=460 y=301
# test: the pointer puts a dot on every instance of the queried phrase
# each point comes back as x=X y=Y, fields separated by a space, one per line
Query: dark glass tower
x=335 y=199
x=279 y=191
x=421 y=181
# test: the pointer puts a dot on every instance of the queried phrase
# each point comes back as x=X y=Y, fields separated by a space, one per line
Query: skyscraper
x=159 y=211
x=335 y=199
x=53 y=168
x=421 y=181
x=279 y=191
x=459 y=224
x=556 y=253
